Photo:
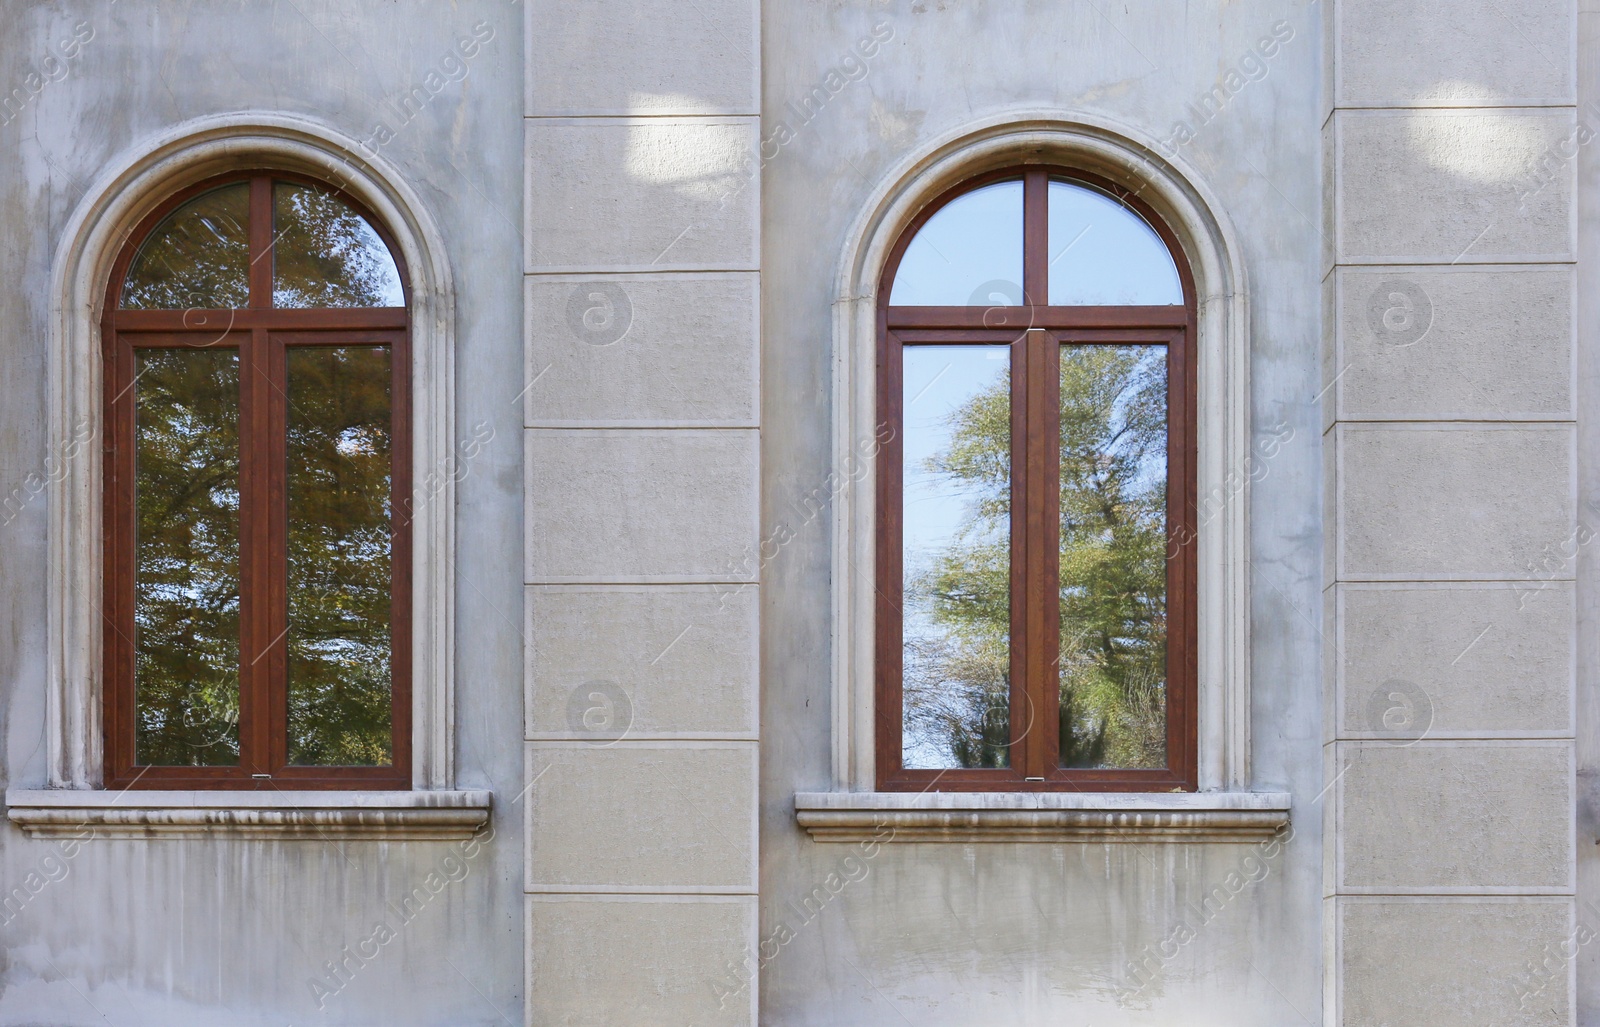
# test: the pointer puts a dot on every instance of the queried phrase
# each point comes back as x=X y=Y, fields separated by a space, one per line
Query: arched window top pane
x=198 y=256
x=1104 y=254
x=968 y=254
x=327 y=255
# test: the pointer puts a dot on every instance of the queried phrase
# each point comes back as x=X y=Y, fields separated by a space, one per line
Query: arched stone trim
x=94 y=235
x=1176 y=193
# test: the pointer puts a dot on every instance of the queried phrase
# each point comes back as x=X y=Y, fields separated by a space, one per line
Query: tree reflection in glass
x=186 y=578
x=1113 y=656
x=956 y=687
x=293 y=415
x=1112 y=664
x=339 y=555
x=197 y=257
x=327 y=255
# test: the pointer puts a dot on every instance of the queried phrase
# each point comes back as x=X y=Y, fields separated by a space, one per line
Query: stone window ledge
x=278 y=815
x=1041 y=816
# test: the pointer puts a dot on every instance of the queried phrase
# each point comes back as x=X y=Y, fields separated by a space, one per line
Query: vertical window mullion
x=1035 y=237
x=1031 y=453
x=272 y=447
x=260 y=236
x=1033 y=471
x=252 y=742
x=255 y=593
x=1020 y=622
x=1046 y=436
x=262 y=598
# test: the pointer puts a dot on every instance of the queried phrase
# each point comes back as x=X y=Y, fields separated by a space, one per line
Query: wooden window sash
x=1036 y=331
x=262 y=335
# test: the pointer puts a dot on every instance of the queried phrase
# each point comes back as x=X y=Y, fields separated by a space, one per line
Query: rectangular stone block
x=606 y=961
x=644 y=350
x=638 y=506
x=1456 y=502
x=610 y=57
x=1434 y=817
x=1479 y=186
x=1487 y=660
x=641 y=816
x=1439 y=53
x=1455 y=344
x=1426 y=962
x=642 y=194
x=665 y=660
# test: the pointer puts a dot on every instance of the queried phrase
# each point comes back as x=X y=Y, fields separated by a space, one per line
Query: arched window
x=257 y=538
x=1036 y=614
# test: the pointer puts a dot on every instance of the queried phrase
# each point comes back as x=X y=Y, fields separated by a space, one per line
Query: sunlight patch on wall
x=1490 y=146
x=704 y=163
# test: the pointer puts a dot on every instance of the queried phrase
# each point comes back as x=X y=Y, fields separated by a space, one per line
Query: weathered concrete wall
x=644 y=268
x=1030 y=933
x=1452 y=537
x=208 y=932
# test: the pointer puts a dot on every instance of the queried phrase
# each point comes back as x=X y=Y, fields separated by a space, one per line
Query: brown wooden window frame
x=1036 y=333
x=262 y=334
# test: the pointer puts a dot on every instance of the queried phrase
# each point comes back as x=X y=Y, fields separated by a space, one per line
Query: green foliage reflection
x=1112 y=671
x=956 y=643
x=186 y=586
x=339 y=556
x=197 y=257
x=1113 y=556
x=324 y=254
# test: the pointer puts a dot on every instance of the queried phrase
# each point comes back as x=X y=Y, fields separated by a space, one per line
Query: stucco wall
x=660 y=401
x=1034 y=933
x=208 y=932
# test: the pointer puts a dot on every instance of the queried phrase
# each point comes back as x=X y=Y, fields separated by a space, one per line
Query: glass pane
x=1102 y=253
x=186 y=557
x=326 y=255
x=198 y=256
x=339 y=535
x=957 y=545
x=969 y=254
x=1113 y=664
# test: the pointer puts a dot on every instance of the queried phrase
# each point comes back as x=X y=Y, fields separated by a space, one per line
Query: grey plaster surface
x=937 y=934
x=631 y=166
x=206 y=932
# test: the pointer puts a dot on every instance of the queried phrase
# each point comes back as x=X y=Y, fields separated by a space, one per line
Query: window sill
x=1054 y=817
x=320 y=815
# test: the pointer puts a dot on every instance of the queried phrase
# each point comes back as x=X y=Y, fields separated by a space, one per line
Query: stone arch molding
x=1118 y=153
x=112 y=207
